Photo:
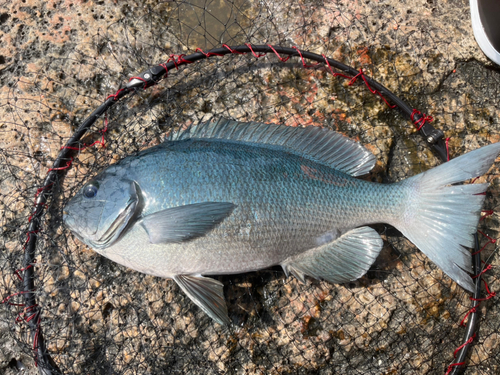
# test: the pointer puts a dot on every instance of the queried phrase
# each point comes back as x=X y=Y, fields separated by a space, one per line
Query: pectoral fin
x=207 y=293
x=345 y=259
x=183 y=223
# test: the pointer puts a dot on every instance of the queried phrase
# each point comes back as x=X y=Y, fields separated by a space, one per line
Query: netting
x=60 y=60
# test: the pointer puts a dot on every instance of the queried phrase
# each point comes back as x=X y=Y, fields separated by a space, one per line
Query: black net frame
x=151 y=77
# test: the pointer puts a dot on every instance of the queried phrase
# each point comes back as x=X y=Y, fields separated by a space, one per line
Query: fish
x=227 y=197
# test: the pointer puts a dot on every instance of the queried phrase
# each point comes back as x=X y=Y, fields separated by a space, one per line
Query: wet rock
x=60 y=59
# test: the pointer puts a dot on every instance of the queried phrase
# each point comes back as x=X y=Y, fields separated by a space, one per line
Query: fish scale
x=253 y=180
x=223 y=197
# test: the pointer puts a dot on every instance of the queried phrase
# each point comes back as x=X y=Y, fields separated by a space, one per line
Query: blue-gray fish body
x=224 y=197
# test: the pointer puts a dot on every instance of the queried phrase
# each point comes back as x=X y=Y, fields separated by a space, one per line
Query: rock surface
x=60 y=59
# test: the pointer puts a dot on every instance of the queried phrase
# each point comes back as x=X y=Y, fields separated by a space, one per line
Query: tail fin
x=440 y=220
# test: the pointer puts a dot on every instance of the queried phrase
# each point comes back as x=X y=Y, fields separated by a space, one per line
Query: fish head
x=103 y=209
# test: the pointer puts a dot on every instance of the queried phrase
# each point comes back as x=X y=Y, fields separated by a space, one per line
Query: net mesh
x=60 y=60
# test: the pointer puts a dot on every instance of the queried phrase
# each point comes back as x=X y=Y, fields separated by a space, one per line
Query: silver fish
x=226 y=197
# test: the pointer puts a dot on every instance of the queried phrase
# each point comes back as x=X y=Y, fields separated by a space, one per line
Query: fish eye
x=90 y=191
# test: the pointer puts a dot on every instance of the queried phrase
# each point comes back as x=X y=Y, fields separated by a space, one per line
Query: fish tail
x=441 y=219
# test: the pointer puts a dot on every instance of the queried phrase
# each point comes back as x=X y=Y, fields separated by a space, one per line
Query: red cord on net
x=6 y=299
x=373 y=91
x=17 y=272
x=490 y=240
x=38 y=191
x=488 y=291
x=178 y=60
x=282 y=59
x=115 y=96
x=68 y=164
x=422 y=120
x=99 y=141
x=257 y=56
x=44 y=205
x=35 y=338
x=353 y=79
x=335 y=74
x=485 y=214
x=22 y=316
x=485 y=269
x=146 y=84
x=450 y=367
x=232 y=50
x=303 y=61
x=471 y=311
x=208 y=54
x=488 y=267
x=479 y=300
x=25 y=315
x=28 y=236
x=164 y=66
x=469 y=341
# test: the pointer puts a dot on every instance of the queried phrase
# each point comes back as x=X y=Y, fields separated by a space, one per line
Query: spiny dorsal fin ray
x=319 y=144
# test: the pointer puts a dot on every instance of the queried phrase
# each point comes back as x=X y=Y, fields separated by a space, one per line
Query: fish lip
x=67 y=217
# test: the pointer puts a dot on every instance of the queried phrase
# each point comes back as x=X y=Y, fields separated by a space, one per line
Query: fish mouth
x=122 y=221
x=69 y=222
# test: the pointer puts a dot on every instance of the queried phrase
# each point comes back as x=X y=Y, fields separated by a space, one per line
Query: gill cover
x=100 y=212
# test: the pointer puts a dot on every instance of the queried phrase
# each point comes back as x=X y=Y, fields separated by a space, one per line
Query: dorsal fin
x=320 y=144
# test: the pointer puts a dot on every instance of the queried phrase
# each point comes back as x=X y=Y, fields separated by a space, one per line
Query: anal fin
x=207 y=293
x=345 y=259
